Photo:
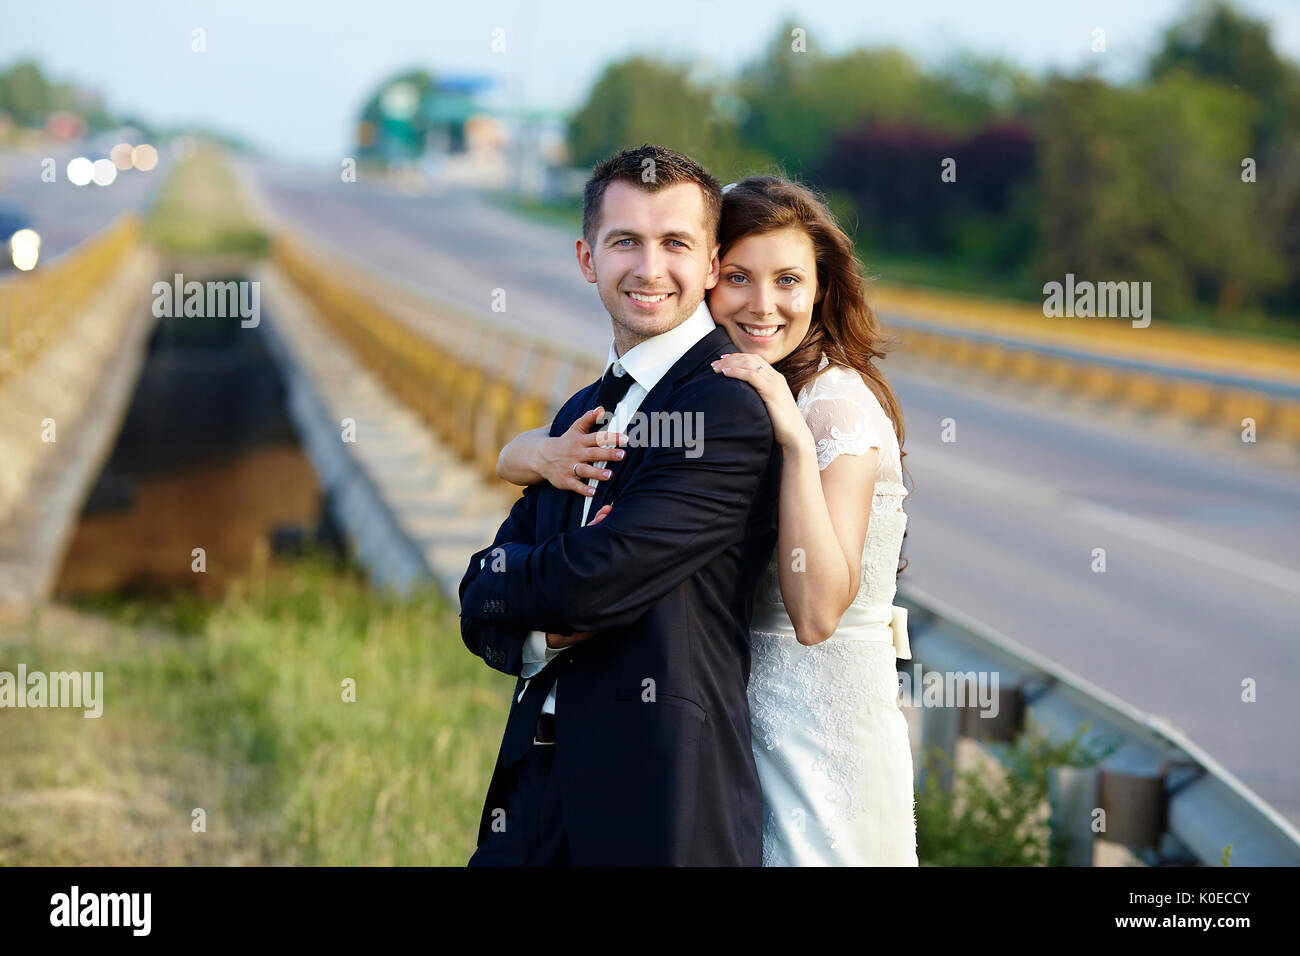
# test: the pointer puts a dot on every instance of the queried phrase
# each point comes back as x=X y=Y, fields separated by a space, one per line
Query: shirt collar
x=649 y=361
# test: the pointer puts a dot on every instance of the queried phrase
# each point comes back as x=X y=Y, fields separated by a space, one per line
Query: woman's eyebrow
x=782 y=270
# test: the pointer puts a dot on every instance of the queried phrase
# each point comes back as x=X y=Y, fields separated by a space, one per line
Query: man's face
x=651 y=259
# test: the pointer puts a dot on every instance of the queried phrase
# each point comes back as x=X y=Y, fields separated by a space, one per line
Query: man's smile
x=649 y=300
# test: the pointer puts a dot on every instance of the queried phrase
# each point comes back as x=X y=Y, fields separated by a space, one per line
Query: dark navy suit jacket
x=652 y=717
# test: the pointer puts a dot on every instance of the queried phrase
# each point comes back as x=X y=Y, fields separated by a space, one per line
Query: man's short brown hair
x=651 y=168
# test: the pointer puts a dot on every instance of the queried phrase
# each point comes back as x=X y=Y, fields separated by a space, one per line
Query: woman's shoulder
x=834 y=381
x=845 y=415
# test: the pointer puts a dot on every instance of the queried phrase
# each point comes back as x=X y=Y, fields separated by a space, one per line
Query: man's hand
x=562 y=640
x=554 y=459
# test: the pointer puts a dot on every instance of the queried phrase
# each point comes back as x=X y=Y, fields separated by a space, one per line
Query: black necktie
x=613 y=389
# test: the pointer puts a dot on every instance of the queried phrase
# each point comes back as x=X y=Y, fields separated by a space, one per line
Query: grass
x=237 y=707
x=200 y=211
x=999 y=818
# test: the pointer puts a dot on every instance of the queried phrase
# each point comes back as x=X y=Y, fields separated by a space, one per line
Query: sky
x=291 y=76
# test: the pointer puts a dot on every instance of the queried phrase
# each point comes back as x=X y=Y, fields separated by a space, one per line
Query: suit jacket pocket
x=683 y=704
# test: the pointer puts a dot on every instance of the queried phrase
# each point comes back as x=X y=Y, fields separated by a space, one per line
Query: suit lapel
x=710 y=344
x=567 y=514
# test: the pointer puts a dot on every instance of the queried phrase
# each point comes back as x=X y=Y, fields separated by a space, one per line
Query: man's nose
x=650 y=264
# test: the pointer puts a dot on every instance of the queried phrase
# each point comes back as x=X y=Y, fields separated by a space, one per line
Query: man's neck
x=625 y=339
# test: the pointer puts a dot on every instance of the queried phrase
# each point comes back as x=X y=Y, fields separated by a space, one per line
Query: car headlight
x=25 y=249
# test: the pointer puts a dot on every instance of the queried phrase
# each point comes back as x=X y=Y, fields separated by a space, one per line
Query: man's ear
x=585 y=262
x=715 y=268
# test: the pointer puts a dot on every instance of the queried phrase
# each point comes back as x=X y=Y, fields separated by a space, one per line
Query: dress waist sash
x=855 y=625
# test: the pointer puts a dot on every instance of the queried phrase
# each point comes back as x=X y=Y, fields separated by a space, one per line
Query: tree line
x=1187 y=177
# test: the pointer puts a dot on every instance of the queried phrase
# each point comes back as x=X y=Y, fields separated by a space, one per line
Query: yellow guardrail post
x=39 y=306
x=476 y=390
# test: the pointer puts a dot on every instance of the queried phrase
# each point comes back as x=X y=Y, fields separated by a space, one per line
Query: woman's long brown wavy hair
x=843 y=323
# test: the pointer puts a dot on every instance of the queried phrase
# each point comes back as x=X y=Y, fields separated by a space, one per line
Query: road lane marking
x=1188 y=545
x=1139 y=529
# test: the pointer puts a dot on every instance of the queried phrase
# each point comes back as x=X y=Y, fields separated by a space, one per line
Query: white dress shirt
x=647 y=362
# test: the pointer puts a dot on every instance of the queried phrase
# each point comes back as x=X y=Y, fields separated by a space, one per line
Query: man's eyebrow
x=633 y=234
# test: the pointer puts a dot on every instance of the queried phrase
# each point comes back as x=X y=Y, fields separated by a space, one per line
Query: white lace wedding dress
x=828 y=734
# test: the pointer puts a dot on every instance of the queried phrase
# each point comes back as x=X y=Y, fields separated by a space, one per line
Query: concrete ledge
x=84 y=382
x=413 y=512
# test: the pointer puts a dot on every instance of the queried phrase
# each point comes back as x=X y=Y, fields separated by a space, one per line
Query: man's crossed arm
x=677 y=514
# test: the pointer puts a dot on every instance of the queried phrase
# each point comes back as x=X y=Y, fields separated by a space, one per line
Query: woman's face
x=765 y=296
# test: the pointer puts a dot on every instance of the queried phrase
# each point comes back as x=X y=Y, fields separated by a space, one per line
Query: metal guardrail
x=1203 y=396
x=1264 y=386
x=1161 y=793
x=1180 y=345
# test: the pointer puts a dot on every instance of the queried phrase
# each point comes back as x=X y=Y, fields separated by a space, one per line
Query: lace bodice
x=846 y=418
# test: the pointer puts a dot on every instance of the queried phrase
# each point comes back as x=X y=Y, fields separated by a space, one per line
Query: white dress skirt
x=828 y=734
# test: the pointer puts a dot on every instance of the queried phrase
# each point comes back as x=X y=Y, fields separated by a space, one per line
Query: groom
x=628 y=735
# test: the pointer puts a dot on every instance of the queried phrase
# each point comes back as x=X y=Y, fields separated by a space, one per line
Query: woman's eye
x=793 y=280
x=737 y=276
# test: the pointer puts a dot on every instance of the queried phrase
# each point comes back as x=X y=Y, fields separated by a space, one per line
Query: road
x=65 y=214
x=1201 y=588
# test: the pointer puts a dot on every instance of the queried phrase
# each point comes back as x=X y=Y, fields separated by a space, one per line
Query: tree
x=1218 y=43
x=1143 y=184
x=800 y=100
x=25 y=94
x=641 y=100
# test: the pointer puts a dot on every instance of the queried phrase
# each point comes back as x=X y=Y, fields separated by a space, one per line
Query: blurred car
x=20 y=243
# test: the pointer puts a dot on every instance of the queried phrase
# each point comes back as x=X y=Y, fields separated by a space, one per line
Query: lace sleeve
x=845 y=418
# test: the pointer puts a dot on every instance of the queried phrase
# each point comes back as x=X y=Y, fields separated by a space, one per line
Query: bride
x=828 y=735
